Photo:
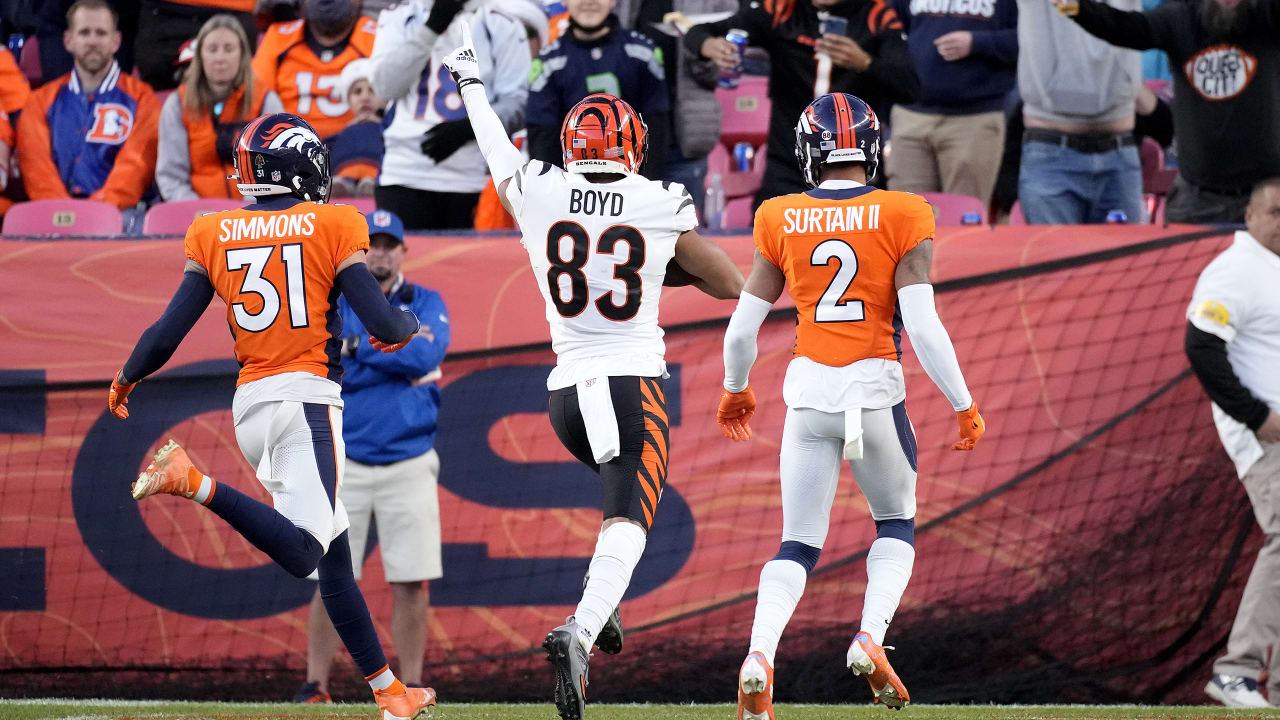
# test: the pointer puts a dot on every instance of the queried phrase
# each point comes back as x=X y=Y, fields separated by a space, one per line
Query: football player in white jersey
x=432 y=173
x=600 y=238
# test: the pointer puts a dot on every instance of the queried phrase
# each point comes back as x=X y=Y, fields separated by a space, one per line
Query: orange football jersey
x=839 y=249
x=275 y=269
x=307 y=82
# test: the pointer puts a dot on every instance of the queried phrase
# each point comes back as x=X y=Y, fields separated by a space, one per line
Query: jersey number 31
x=256 y=258
x=628 y=271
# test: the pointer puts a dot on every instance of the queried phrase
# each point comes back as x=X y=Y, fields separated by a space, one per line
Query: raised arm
x=1137 y=30
x=502 y=157
x=402 y=46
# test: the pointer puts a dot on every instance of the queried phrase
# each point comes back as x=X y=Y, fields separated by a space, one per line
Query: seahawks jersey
x=502 y=49
x=599 y=253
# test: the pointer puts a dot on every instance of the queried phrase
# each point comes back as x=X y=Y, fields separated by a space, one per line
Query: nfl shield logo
x=275 y=176
x=381 y=218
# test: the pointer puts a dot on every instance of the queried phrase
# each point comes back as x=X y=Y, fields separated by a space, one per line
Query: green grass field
x=52 y=709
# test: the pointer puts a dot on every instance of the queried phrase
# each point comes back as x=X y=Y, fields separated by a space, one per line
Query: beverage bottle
x=713 y=206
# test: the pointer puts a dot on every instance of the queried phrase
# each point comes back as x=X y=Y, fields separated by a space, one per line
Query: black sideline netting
x=1092 y=549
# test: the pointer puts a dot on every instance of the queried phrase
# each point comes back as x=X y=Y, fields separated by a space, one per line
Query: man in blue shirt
x=951 y=138
x=597 y=55
x=389 y=427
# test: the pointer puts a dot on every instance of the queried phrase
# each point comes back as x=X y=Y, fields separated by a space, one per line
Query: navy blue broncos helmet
x=281 y=154
x=837 y=128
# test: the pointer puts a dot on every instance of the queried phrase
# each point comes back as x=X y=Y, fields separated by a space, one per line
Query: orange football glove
x=117 y=396
x=386 y=348
x=734 y=414
x=971 y=428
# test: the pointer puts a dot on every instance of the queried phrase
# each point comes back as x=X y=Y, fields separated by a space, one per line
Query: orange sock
x=200 y=486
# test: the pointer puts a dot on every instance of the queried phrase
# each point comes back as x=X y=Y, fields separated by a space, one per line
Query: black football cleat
x=569 y=663
x=609 y=641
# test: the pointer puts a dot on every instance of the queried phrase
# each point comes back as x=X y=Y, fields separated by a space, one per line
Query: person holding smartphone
x=816 y=47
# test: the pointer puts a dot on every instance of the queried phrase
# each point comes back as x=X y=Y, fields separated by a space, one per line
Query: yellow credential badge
x=1213 y=311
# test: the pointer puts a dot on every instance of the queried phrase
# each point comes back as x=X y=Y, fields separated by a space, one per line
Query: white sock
x=888 y=569
x=618 y=549
x=781 y=585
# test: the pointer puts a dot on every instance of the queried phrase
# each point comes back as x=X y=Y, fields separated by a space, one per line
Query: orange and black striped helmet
x=837 y=128
x=603 y=134
x=281 y=154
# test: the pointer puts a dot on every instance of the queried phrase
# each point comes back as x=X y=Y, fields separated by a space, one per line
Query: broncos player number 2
x=830 y=307
x=254 y=261
x=628 y=271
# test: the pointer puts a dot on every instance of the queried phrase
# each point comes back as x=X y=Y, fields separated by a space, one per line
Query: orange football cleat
x=755 y=688
x=406 y=705
x=168 y=473
x=867 y=658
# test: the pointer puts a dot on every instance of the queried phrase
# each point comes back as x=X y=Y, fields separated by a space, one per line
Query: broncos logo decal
x=290 y=136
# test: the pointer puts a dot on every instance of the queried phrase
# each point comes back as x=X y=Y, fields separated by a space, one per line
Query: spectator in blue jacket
x=389 y=426
x=951 y=138
x=597 y=55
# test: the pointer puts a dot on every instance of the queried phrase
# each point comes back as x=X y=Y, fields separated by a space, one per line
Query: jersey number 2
x=628 y=271
x=830 y=307
x=256 y=259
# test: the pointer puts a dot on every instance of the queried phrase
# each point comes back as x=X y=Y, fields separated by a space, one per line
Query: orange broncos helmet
x=603 y=134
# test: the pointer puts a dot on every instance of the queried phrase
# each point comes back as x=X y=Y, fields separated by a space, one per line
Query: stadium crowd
x=1038 y=102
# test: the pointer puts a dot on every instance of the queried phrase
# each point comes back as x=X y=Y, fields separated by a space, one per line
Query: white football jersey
x=599 y=253
x=502 y=49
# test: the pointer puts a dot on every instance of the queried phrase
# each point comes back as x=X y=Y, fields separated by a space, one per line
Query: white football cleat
x=1234 y=691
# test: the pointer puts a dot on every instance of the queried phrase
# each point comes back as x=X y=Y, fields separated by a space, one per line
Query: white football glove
x=462 y=63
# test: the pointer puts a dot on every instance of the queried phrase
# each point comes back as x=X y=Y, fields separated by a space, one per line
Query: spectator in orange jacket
x=6 y=150
x=92 y=132
x=14 y=87
x=303 y=60
x=199 y=122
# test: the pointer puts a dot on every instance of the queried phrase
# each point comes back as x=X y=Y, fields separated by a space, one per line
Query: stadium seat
x=63 y=217
x=738 y=214
x=736 y=184
x=950 y=209
x=746 y=112
x=365 y=205
x=739 y=187
x=29 y=61
x=1156 y=178
x=170 y=218
x=1015 y=214
x=1158 y=217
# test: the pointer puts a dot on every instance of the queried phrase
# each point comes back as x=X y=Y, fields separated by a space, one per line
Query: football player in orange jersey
x=857 y=263
x=279 y=265
x=302 y=60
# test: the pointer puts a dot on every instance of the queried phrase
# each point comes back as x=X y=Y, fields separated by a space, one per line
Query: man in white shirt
x=1233 y=343
x=432 y=171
